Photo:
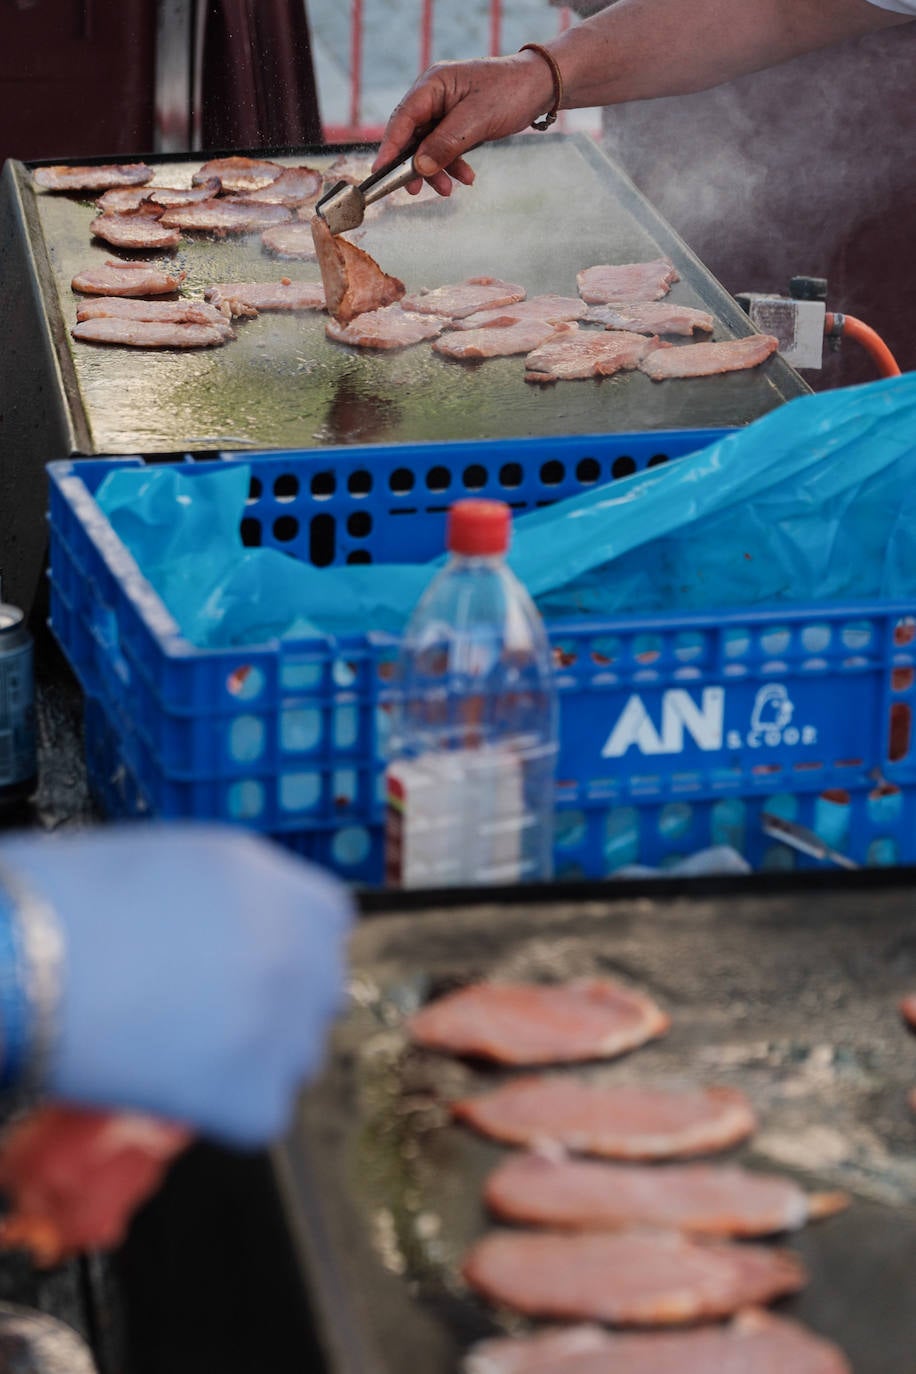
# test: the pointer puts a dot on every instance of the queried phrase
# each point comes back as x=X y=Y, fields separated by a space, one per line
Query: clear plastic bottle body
x=473 y=736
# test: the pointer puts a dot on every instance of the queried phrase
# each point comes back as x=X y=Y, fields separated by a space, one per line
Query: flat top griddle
x=790 y=996
x=541 y=210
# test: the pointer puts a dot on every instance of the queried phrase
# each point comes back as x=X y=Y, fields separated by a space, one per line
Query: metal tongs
x=344 y=206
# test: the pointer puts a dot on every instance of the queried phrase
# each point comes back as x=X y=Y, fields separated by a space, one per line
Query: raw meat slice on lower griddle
x=553 y=309
x=121 y=198
x=238 y=174
x=908 y=1009
x=465 y=297
x=709 y=359
x=587 y=354
x=168 y=196
x=110 y=329
x=291 y=241
x=244 y=296
x=652 y=317
x=631 y=281
x=127 y=279
x=292 y=187
x=93 y=178
x=225 y=216
x=539 y=1023
x=640 y=1121
x=74 y=1178
x=627 y=1278
x=501 y=340
x=754 y=1342
x=154 y=312
x=704 y=1199
x=140 y=228
x=352 y=167
x=353 y=282
x=388 y=328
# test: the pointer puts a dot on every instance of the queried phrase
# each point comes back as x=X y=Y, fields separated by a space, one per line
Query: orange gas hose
x=851 y=328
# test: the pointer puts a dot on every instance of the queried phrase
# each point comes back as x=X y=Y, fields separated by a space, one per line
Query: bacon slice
x=616 y=1120
x=93 y=178
x=389 y=328
x=149 y=333
x=539 y=1023
x=291 y=240
x=138 y=228
x=352 y=167
x=225 y=216
x=238 y=173
x=464 y=298
x=553 y=309
x=651 y=317
x=74 y=1178
x=353 y=282
x=155 y=312
x=587 y=354
x=126 y=279
x=122 y=198
x=500 y=339
x=908 y=1009
x=755 y=1342
x=707 y=1199
x=628 y=1278
x=631 y=281
x=169 y=196
x=293 y=186
x=243 y=296
x=709 y=359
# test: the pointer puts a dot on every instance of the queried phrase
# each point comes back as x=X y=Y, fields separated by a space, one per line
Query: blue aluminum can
x=18 y=769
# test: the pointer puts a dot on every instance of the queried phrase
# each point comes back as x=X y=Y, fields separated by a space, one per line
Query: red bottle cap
x=479 y=527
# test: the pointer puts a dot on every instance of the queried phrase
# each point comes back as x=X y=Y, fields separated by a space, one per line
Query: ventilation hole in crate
x=300 y=791
x=736 y=670
x=286 y=527
x=438 y=479
x=621 y=838
x=831 y=816
x=359 y=483
x=359 y=556
x=647 y=648
x=246 y=682
x=588 y=470
x=882 y=853
x=674 y=821
x=350 y=846
x=884 y=804
x=688 y=646
x=736 y=642
x=904 y=630
x=299 y=674
x=728 y=823
x=475 y=477
x=902 y=679
x=569 y=829
x=245 y=799
x=856 y=635
x=401 y=481
x=387 y=665
x=359 y=524
x=901 y=726
x=815 y=638
x=300 y=729
x=775 y=640
x=346 y=727
x=552 y=473
x=510 y=475
x=656 y=460
x=778 y=859
x=343 y=787
x=565 y=653
x=250 y=531
x=765 y=770
x=343 y=673
x=255 y=490
x=605 y=650
x=286 y=487
x=848 y=763
x=807 y=765
x=246 y=739
x=623 y=466
x=322 y=540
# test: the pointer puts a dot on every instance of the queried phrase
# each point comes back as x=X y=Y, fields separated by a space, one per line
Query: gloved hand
x=202 y=966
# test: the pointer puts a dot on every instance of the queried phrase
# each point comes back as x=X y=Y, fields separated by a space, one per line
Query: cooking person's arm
x=633 y=50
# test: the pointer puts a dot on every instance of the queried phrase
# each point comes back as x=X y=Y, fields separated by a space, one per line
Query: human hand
x=464 y=104
x=202 y=966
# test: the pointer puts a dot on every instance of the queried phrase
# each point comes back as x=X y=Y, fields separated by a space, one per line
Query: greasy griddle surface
x=792 y=998
x=541 y=210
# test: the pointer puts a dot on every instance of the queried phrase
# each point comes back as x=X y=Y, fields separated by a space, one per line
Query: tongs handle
x=394 y=174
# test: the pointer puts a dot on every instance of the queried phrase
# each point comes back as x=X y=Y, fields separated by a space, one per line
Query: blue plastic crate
x=675 y=732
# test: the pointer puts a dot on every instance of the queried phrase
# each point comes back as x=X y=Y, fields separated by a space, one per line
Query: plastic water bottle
x=470 y=782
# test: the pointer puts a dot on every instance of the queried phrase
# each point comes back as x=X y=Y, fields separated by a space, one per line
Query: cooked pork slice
x=172 y=312
x=651 y=317
x=908 y=1009
x=755 y=1342
x=466 y=297
x=553 y=309
x=122 y=198
x=291 y=240
x=709 y=359
x=632 y=281
x=127 y=279
x=390 y=327
x=539 y=1023
x=627 y=1278
x=150 y=333
x=587 y=354
x=500 y=340
x=238 y=173
x=293 y=186
x=225 y=216
x=353 y=282
x=352 y=167
x=244 y=296
x=93 y=178
x=707 y=1199
x=169 y=196
x=426 y=196
x=140 y=228
x=638 y=1121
